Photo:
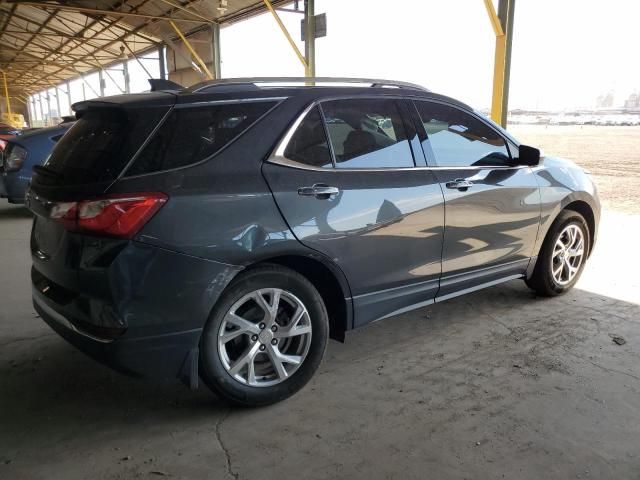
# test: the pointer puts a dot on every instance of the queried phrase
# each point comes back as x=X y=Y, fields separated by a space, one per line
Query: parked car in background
x=6 y=132
x=20 y=154
x=226 y=231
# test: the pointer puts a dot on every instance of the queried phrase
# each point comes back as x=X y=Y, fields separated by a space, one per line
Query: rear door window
x=192 y=134
x=100 y=144
x=461 y=140
x=367 y=133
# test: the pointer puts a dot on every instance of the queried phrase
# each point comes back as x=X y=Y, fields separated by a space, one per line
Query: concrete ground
x=497 y=384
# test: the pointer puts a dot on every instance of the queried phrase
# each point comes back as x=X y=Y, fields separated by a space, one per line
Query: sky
x=565 y=52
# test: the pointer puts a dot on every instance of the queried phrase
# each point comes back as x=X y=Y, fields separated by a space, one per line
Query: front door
x=358 y=200
x=492 y=206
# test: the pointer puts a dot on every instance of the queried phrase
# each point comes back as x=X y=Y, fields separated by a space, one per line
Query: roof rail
x=252 y=81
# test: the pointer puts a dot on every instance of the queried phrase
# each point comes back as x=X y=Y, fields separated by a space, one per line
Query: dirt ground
x=497 y=384
x=611 y=154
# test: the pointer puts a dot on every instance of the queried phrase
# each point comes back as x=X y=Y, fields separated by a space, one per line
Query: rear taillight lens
x=116 y=215
x=14 y=158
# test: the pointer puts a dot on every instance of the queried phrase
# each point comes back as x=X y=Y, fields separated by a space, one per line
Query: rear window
x=100 y=144
x=192 y=134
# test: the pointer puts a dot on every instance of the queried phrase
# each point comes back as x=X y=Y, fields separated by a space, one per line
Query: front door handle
x=460 y=184
x=318 y=190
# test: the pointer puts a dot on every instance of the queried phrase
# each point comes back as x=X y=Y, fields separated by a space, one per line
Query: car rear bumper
x=158 y=356
x=142 y=315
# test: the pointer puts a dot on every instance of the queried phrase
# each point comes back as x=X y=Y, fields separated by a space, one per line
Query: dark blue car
x=226 y=231
x=21 y=153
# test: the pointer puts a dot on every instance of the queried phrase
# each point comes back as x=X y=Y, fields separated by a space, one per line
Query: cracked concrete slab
x=497 y=384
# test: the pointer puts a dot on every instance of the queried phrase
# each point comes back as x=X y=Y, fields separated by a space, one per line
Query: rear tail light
x=14 y=158
x=116 y=215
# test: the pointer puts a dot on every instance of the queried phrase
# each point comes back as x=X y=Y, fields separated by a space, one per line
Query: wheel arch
x=330 y=283
x=584 y=209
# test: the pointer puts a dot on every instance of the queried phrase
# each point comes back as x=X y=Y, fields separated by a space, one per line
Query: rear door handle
x=460 y=184
x=318 y=190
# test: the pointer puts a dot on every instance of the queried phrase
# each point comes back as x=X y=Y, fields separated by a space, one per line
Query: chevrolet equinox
x=225 y=231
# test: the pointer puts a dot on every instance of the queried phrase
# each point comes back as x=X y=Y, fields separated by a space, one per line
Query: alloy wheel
x=264 y=337
x=568 y=254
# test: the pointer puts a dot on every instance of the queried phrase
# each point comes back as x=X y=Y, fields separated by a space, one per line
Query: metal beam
x=195 y=55
x=248 y=12
x=108 y=13
x=57 y=100
x=310 y=38
x=125 y=72
x=180 y=53
x=30 y=40
x=185 y=9
x=506 y=12
x=137 y=59
x=163 y=65
x=499 y=63
x=134 y=31
x=215 y=50
x=105 y=28
x=286 y=33
x=74 y=36
x=6 y=95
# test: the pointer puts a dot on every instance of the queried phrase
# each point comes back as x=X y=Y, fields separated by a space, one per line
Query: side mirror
x=528 y=156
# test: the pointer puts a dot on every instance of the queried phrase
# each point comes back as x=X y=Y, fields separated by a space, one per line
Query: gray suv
x=227 y=230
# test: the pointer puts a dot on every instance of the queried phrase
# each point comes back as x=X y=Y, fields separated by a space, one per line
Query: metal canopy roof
x=44 y=42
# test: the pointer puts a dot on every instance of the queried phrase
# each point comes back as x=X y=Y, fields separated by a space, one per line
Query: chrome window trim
x=277 y=155
x=285 y=162
x=284 y=142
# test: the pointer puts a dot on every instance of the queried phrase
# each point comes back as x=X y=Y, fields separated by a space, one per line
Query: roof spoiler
x=162 y=84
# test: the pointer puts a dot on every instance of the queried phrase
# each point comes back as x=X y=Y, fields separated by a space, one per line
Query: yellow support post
x=6 y=95
x=201 y=63
x=498 y=78
x=499 y=62
x=297 y=51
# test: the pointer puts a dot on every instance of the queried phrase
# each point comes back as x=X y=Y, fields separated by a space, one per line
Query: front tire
x=265 y=338
x=563 y=255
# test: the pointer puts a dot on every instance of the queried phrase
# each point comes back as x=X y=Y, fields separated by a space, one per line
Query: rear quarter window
x=192 y=134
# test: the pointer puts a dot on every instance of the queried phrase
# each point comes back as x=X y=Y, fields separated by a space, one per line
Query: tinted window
x=459 y=139
x=192 y=134
x=308 y=144
x=101 y=143
x=367 y=133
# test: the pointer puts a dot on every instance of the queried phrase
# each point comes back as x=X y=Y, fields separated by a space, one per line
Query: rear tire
x=255 y=352
x=563 y=255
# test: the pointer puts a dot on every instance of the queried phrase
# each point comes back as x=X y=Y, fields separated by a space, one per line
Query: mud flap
x=189 y=371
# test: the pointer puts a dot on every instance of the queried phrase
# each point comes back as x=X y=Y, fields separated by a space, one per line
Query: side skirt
x=375 y=306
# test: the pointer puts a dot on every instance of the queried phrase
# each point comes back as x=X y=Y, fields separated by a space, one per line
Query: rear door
x=345 y=180
x=492 y=205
